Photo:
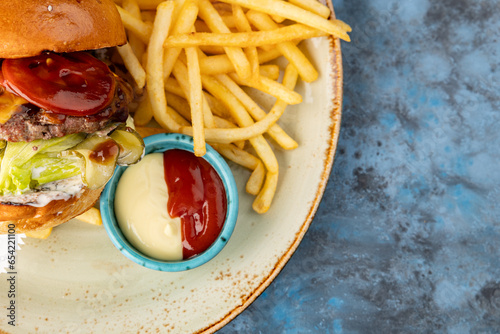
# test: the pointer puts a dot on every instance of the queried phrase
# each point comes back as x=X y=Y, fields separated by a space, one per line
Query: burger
x=64 y=119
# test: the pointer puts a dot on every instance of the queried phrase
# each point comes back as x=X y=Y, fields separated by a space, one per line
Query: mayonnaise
x=53 y=191
x=141 y=210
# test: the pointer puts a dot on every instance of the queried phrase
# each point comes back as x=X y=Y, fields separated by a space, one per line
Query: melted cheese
x=9 y=104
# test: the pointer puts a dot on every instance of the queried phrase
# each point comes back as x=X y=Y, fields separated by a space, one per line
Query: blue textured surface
x=407 y=236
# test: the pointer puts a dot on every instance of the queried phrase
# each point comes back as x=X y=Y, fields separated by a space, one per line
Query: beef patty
x=31 y=122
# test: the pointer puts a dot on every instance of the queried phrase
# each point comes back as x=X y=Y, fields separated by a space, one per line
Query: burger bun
x=31 y=218
x=31 y=27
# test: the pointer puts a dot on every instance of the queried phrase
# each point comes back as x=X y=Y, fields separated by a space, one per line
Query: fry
x=213 y=50
x=135 y=25
x=132 y=7
x=306 y=70
x=43 y=234
x=274 y=35
x=179 y=4
x=246 y=160
x=275 y=131
x=217 y=107
x=133 y=65
x=183 y=24
x=144 y=113
x=148 y=16
x=222 y=7
x=146 y=4
x=145 y=131
x=91 y=216
x=181 y=74
x=243 y=25
x=201 y=26
x=278 y=19
x=294 y=13
x=196 y=101
x=253 y=58
x=225 y=124
x=241 y=157
x=135 y=42
x=262 y=202
x=177 y=117
x=217 y=65
x=242 y=118
x=221 y=64
x=230 y=135
x=270 y=71
x=272 y=88
x=180 y=105
x=313 y=6
x=149 y=4
x=214 y=21
x=228 y=21
x=137 y=45
x=254 y=183
x=154 y=67
x=172 y=86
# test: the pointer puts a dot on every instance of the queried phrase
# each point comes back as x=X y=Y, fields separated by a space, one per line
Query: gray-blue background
x=407 y=236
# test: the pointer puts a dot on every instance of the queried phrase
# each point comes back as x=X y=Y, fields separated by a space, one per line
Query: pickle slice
x=101 y=155
x=131 y=146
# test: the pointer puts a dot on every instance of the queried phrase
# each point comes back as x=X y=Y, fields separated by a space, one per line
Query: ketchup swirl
x=197 y=196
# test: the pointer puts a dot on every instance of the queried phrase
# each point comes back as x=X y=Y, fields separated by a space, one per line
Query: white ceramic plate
x=76 y=281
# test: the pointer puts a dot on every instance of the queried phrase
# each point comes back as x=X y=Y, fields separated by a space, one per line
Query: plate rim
x=336 y=116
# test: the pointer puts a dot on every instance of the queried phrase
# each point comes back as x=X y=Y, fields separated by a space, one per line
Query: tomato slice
x=75 y=84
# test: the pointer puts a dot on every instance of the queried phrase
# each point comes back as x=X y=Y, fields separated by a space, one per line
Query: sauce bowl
x=158 y=144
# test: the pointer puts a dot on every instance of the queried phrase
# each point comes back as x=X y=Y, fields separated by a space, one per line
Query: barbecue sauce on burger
x=59 y=94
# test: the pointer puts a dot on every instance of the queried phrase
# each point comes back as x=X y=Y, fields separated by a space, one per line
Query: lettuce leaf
x=19 y=160
x=46 y=168
x=25 y=166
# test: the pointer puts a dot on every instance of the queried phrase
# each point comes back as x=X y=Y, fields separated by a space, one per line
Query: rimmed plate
x=76 y=281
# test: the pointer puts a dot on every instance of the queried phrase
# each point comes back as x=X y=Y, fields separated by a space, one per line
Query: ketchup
x=196 y=195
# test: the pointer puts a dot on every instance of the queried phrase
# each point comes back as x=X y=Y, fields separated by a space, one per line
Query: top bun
x=30 y=27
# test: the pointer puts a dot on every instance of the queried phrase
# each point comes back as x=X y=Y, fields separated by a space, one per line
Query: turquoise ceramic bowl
x=161 y=143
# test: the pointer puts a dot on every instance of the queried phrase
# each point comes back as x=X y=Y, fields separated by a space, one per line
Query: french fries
x=215 y=22
x=243 y=25
x=244 y=39
x=132 y=63
x=141 y=29
x=134 y=41
x=291 y=52
x=198 y=55
x=289 y=11
x=91 y=216
x=154 y=68
x=43 y=234
x=183 y=24
x=196 y=101
x=145 y=4
x=313 y=6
